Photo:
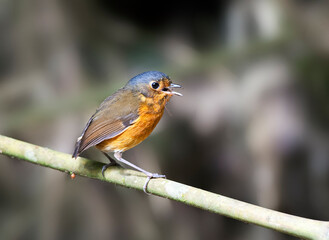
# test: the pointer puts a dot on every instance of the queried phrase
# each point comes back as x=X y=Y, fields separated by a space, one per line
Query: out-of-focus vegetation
x=252 y=124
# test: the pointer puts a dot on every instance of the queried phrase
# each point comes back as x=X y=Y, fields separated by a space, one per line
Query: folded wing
x=109 y=121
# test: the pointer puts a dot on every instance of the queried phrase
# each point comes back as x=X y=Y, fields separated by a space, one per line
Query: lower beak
x=172 y=85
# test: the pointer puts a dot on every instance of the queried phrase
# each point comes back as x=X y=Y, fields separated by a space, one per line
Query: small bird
x=128 y=117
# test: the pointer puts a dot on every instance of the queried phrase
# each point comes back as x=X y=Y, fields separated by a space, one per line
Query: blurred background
x=252 y=125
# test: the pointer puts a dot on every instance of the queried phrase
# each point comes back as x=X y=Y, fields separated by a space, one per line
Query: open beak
x=172 y=85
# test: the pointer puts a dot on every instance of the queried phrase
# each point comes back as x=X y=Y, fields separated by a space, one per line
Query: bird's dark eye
x=155 y=85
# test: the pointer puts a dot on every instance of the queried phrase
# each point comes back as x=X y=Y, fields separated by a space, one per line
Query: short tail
x=77 y=148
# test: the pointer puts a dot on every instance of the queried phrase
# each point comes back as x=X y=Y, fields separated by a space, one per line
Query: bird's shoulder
x=117 y=106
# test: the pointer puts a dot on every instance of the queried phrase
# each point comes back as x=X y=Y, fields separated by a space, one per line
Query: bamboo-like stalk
x=297 y=226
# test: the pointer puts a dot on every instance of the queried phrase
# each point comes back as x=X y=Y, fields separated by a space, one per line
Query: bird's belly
x=133 y=135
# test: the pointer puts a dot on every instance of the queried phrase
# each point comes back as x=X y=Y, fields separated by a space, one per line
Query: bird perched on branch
x=127 y=117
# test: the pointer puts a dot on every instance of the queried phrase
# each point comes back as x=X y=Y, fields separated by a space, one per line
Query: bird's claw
x=153 y=175
x=106 y=166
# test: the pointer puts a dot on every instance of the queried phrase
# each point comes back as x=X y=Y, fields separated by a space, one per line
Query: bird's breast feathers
x=150 y=112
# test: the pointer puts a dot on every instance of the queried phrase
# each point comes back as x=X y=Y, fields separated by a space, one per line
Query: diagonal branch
x=289 y=224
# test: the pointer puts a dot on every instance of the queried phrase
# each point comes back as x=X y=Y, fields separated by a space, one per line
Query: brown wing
x=113 y=117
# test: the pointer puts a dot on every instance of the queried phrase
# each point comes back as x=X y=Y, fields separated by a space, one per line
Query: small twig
x=289 y=224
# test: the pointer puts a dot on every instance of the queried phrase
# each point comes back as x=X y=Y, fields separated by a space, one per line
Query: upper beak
x=172 y=85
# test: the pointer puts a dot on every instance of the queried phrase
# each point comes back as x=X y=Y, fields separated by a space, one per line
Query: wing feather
x=109 y=121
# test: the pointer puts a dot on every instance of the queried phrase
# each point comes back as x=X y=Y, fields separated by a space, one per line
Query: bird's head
x=153 y=84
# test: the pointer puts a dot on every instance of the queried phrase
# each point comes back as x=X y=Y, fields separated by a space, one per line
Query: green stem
x=289 y=224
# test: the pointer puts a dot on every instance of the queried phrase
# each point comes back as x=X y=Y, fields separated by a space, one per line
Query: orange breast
x=149 y=116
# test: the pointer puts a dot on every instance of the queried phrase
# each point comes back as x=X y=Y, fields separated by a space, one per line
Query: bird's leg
x=124 y=163
x=112 y=163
